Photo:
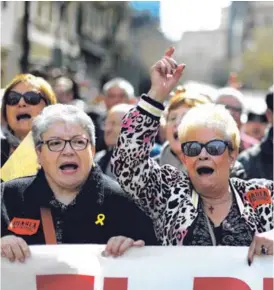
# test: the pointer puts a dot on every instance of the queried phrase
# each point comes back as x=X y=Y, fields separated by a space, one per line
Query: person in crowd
x=67 y=92
x=233 y=100
x=113 y=125
x=114 y=92
x=23 y=99
x=258 y=160
x=112 y=130
x=203 y=207
x=84 y=205
x=255 y=125
x=180 y=102
x=117 y=91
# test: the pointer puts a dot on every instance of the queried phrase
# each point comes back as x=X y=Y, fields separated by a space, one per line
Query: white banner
x=73 y=267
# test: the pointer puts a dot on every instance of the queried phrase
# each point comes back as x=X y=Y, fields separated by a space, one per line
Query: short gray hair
x=120 y=83
x=230 y=92
x=64 y=113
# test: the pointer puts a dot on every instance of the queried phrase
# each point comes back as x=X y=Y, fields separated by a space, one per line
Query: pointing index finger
x=170 y=52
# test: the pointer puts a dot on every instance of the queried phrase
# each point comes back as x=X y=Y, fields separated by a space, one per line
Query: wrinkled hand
x=165 y=75
x=117 y=246
x=262 y=244
x=14 y=248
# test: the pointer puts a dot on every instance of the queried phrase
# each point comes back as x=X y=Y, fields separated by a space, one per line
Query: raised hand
x=165 y=75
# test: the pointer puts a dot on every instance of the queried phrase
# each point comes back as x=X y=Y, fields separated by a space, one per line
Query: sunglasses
x=30 y=98
x=213 y=147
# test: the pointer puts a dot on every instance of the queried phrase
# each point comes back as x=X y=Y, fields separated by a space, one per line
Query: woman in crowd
x=180 y=102
x=204 y=206
x=70 y=200
x=24 y=98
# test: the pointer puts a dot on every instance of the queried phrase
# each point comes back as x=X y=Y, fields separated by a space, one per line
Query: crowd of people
x=174 y=166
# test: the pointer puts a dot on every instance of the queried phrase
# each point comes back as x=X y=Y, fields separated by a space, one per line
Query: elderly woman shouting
x=202 y=206
x=24 y=98
x=70 y=200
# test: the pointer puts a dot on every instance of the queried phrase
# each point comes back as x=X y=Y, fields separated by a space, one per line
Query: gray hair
x=64 y=113
x=120 y=83
x=231 y=92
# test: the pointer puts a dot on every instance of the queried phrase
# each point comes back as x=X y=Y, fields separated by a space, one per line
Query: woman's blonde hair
x=212 y=116
x=189 y=98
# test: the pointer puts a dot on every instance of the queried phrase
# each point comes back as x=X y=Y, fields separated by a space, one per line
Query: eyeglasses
x=30 y=98
x=57 y=145
x=213 y=147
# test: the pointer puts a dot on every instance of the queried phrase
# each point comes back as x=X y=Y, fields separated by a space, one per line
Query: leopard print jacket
x=166 y=194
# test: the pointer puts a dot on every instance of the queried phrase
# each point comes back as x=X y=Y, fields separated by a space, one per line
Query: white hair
x=119 y=83
x=212 y=116
x=64 y=113
x=230 y=92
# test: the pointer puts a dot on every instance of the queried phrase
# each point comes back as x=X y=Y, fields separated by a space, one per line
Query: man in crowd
x=233 y=100
x=258 y=160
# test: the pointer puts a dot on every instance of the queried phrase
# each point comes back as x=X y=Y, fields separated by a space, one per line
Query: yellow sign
x=22 y=162
x=100 y=219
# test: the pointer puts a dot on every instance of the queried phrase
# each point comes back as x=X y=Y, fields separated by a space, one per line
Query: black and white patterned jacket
x=165 y=193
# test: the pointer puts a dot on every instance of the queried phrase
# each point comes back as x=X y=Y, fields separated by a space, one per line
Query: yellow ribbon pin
x=100 y=219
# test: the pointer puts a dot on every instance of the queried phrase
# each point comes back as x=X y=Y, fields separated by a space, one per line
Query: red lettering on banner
x=268 y=283
x=217 y=283
x=75 y=281
x=115 y=283
x=64 y=282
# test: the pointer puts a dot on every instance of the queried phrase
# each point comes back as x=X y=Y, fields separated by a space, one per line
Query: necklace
x=211 y=206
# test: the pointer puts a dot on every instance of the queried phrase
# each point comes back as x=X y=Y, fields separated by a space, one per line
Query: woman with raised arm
x=203 y=206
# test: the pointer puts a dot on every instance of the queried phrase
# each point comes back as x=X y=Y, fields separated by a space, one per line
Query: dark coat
x=23 y=198
x=5 y=151
x=258 y=160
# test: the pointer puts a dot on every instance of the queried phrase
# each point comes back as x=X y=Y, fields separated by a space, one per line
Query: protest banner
x=71 y=267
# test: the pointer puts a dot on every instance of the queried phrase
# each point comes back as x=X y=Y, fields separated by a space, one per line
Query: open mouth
x=69 y=167
x=23 y=117
x=175 y=135
x=205 y=170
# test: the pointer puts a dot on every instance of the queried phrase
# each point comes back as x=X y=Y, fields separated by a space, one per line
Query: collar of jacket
x=245 y=209
x=92 y=190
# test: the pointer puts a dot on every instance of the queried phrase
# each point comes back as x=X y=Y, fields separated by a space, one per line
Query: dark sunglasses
x=213 y=147
x=30 y=98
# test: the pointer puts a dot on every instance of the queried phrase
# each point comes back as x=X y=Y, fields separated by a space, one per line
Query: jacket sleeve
x=266 y=210
x=140 y=176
